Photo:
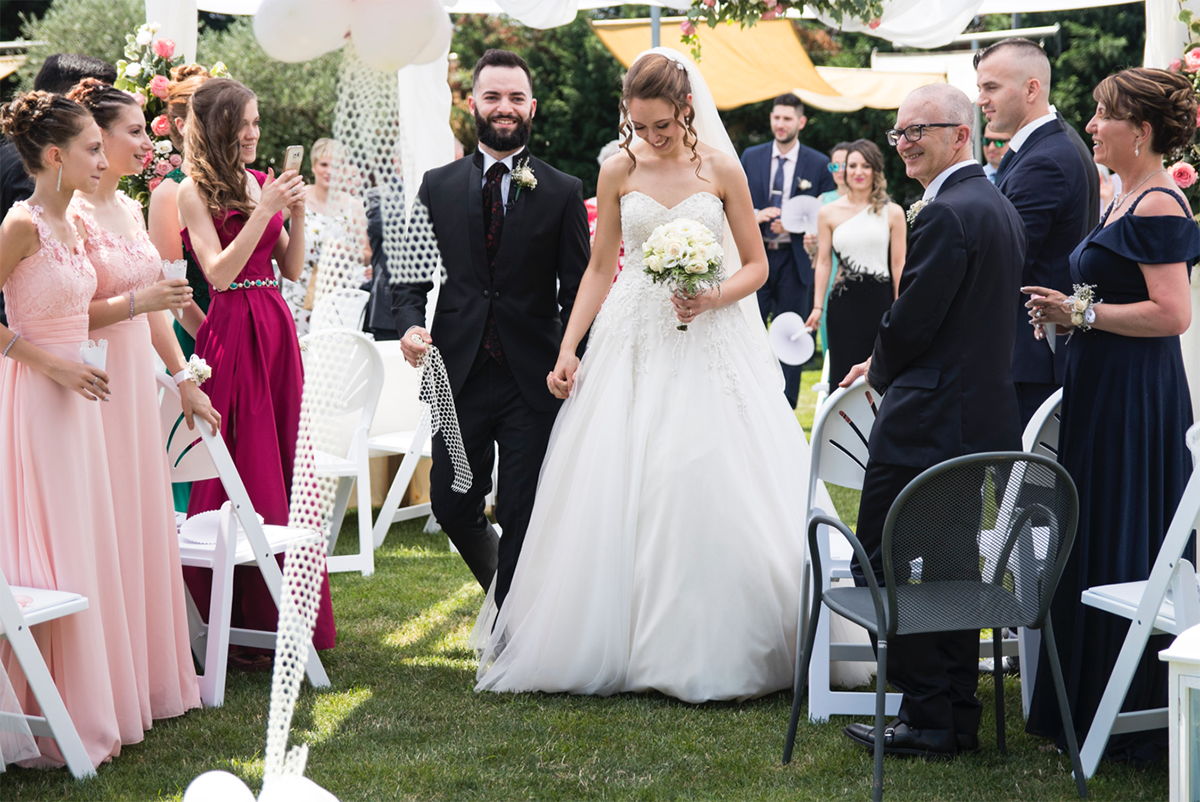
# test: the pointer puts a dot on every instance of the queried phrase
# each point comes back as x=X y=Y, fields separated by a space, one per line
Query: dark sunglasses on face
x=996 y=143
x=835 y=167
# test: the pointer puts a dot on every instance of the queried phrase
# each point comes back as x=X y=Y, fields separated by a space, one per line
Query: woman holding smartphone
x=233 y=225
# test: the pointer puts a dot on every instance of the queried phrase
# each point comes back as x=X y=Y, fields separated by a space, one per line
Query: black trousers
x=784 y=292
x=1030 y=396
x=938 y=672
x=491 y=412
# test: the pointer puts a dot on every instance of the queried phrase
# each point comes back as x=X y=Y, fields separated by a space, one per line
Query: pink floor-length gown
x=56 y=507
x=151 y=572
x=249 y=341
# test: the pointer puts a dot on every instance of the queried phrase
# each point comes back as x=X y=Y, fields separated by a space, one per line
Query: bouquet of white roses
x=684 y=253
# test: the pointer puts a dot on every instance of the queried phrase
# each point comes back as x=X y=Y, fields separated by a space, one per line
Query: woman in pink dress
x=56 y=506
x=129 y=310
x=233 y=225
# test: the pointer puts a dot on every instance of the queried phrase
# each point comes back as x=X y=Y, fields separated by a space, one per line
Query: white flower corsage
x=196 y=370
x=915 y=210
x=523 y=177
x=805 y=184
x=1080 y=306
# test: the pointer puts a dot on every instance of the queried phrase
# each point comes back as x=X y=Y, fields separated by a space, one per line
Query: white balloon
x=217 y=786
x=300 y=30
x=389 y=34
x=293 y=788
x=439 y=43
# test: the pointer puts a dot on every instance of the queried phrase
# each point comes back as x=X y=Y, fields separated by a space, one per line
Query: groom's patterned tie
x=493 y=226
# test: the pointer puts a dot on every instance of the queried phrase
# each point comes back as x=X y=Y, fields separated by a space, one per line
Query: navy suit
x=789 y=286
x=943 y=357
x=1047 y=182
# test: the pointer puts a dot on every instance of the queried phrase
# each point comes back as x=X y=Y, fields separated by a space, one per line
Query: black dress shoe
x=900 y=739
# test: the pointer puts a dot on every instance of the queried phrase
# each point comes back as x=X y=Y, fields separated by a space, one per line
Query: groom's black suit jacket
x=943 y=354
x=1047 y=182
x=544 y=250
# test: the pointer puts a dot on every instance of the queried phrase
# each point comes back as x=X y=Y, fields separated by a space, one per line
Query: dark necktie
x=777 y=197
x=1004 y=165
x=493 y=226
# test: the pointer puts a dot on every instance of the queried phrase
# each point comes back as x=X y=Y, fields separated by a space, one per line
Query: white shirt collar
x=935 y=185
x=1018 y=139
x=789 y=156
x=489 y=160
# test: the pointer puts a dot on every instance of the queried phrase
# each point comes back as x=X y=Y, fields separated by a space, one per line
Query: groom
x=515 y=246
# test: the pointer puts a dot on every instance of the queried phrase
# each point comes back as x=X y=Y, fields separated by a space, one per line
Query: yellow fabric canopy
x=746 y=65
x=10 y=64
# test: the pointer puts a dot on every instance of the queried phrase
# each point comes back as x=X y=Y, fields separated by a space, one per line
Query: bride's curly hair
x=213 y=149
x=655 y=77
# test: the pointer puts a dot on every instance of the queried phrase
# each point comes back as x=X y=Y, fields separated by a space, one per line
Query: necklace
x=1124 y=196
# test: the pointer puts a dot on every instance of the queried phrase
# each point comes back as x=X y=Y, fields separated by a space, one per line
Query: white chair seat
x=396 y=443
x=1123 y=599
x=203 y=555
x=329 y=465
x=46 y=605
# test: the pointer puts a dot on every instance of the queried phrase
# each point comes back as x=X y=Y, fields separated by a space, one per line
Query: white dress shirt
x=506 y=181
x=1018 y=139
x=935 y=185
x=789 y=170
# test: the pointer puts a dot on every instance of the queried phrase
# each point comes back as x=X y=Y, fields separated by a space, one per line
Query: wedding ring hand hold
x=1038 y=313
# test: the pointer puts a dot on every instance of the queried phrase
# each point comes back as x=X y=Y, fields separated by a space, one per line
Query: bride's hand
x=687 y=307
x=561 y=380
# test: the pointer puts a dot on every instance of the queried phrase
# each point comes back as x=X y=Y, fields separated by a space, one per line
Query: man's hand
x=777 y=227
x=766 y=215
x=413 y=344
x=858 y=370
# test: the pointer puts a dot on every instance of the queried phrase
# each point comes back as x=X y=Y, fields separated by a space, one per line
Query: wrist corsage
x=1081 y=306
x=196 y=370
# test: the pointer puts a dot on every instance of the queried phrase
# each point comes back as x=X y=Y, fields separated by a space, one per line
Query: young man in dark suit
x=943 y=360
x=776 y=171
x=1047 y=182
x=514 y=254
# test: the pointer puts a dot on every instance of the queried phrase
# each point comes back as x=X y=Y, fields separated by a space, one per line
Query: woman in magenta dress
x=129 y=311
x=56 y=505
x=233 y=225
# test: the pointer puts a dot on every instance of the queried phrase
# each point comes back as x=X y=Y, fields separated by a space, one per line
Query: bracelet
x=131 y=304
x=181 y=376
x=718 y=292
x=819 y=307
x=11 y=343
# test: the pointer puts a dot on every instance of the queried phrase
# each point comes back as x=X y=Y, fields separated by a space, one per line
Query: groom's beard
x=517 y=139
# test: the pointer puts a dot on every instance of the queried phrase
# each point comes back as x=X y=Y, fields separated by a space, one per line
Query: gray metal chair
x=933 y=574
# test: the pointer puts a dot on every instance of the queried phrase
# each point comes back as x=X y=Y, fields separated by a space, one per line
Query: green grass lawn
x=402 y=722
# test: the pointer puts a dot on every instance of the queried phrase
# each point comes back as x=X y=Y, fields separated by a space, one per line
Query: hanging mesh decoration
x=436 y=392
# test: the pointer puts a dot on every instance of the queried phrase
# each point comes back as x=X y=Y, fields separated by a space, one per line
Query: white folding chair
x=15 y=621
x=341 y=309
x=838 y=456
x=348 y=368
x=1167 y=602
x=195 y=455
x=822 y=387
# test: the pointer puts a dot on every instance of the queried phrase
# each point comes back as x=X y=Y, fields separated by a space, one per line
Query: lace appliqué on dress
x=54 y=282
x=121 y=264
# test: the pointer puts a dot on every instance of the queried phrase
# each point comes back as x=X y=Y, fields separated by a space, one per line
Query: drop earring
x=1137 y=148
x=59 y=187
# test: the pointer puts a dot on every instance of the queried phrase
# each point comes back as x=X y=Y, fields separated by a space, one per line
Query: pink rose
x=160 y=126
x=175 y=160
x=162 y=168
x=1191 y=60
x=159 y=85
x=1175 y=65
x=710 y=3
x=688 y=27
x=149 y=157
x=770 y=4
x=164 y=49
x=138 y=98
x=154 y=182
x=769 y=15
x=1184 y=174
x=873 y=24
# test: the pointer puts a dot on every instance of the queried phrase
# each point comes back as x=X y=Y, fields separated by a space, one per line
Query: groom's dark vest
x=544 y=250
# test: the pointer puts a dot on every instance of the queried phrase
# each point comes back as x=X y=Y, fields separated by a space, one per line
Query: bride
x=666 y=545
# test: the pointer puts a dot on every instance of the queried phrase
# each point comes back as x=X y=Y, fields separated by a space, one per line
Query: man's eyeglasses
x=835 y=167
x=913 y=133
x=996 y=143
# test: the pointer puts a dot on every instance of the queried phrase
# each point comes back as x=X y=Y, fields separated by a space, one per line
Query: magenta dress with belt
x=249 y=341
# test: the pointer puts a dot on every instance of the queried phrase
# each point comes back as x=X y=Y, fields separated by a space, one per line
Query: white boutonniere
x=805 y=184
x=915 y=210
x=523 y=177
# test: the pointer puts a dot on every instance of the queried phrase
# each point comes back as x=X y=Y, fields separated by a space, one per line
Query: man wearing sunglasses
x=776 y=171
x=994 y=148
x=1047 y=181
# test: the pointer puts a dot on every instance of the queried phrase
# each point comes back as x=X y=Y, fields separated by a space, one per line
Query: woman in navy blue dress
x=1126 y=406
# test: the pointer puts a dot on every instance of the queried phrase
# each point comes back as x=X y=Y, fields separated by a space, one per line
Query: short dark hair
x=789 y=99
x=62 y=71
x=1020 y=43
x=500 y=58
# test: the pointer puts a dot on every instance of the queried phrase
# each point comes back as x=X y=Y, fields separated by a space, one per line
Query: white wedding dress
x=666 y=545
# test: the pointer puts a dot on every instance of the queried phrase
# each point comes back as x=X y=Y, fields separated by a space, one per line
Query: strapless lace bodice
x=641 y=214
x=53 y=283
x=861 y=245
x=121 y=265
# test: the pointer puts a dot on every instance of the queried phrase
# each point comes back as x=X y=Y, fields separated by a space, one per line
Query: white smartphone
x=294 y=158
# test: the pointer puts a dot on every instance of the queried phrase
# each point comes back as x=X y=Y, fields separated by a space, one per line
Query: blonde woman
x=867 y=234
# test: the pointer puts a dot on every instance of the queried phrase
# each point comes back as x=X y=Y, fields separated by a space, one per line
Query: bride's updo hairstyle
x=103 y=100
x=185 y=80
x=656 y=77
x=1164 y=99
x=36 y=120
x=873 y=156
x=213 y=147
